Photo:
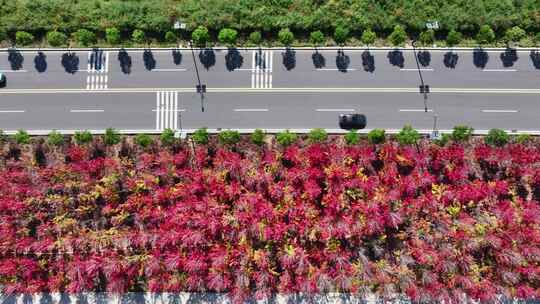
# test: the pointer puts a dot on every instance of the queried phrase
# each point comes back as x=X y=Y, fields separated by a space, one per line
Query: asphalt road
x=267 y=89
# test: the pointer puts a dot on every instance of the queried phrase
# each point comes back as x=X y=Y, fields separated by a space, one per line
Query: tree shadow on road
x=233 y=59
x=70 y=62
x=318 y=59
x=289 y=58
x=207 y=58
x=450 y=59
x=149 y=60
x=396 y=58
x=15 y=59
x=40 y=62
x=509 y=57
x=177 y=57
x=424 y=57
x=368 y=61
x=535 y=58
x=125 y=61
x=342 y=61
x=480 y=58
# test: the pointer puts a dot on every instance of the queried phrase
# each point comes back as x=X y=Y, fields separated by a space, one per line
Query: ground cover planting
x=308 y=215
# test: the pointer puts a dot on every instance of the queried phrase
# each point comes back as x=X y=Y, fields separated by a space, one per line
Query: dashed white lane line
x=86 y=111
x=251 y=110
x=499 y=70
x=12 y=111
x=334 y=110
x=415 y=110
x=416 y=70
x=499 y=111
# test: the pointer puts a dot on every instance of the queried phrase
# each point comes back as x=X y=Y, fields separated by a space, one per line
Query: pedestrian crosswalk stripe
x=261 y=69
x=98 y=67
x=167 y=110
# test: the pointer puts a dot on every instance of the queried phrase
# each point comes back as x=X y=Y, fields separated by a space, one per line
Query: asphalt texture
x=153 y=90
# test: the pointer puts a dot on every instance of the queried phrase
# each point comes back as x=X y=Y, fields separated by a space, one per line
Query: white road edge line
x=499 y=111
x=13 y=71
x=12 y=111
x=415 y=110
x=335 y=110
x=416 y=70
x=499 y=70
x=86 y=111
x=251 y=110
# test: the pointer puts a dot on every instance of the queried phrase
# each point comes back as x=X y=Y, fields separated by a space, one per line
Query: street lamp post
x=200 y=87
x=423 y=88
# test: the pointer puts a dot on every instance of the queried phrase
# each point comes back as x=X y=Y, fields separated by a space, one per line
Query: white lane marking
x=264 y=68
x=334 y=110
x=330 y=69
x=157 y=110
x=107 y=62
x=252 y=69
x=90 y=66
x=86 y=111
x=13 y=71
x=167 y=110
x=168 y=70
x=416 y=70
x=12 y=111
x=499 y=111
x=179 y=110
x=251 y=110
x=271 y=66
x=499 y=70
x=415 y=110
x=175 y=116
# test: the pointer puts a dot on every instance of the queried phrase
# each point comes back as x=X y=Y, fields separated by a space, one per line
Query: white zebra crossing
x=98 y=67
x=261 y=69
x=167 y=110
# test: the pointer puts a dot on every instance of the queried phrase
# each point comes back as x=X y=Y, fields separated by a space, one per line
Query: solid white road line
x=13 y=71
x=415 y=110
x=499 y=111
x=106 y=62
x=499 y=70
x=12 y=111
x=416 y=70
x=87 y=111
x=251 y=110
x=252 y=69
x=334 y=110
x=271 y=66
x=168 y=70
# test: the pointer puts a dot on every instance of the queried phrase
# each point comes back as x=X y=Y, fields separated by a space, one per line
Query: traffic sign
x=201 y=88
x=178 y=25
x=432 y=25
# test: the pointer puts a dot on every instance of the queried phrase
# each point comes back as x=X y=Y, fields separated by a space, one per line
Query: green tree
x=496 y=137
x=111 y=137
x=255 y=37
x=376 y=136
x=286 y=37
x=170 y=37
x=341 y=34
x=427 y=37
x=22 y=137
x=352 y=137
x=286 y=138
x=167 y=137
x=55 y=138
x=453 y=38
x=84 y=37
x=23 y=38
x=228 y=36
x=56 y=38
x=257 y=137
x=462 y=133
x=485 y=35
x=200 y=36
x=317 y=135
x=138 y=36
x=316 y=38
x=143 y=140
x=82 y=137
x=514 y=34
x=229 y=137
x=201 y=136
x=112 y=35
x=398 y=36
x=368 y=37
x=407 y=135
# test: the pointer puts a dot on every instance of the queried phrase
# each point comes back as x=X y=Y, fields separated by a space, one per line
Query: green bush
x=3 y=34
x=398 y=36
x=257 y=137
x=286 y=37
x=316 y=38
x=229 y=137
x=341 y=34
x=485 y=35
x=286 y=138
x=462 y=133
x=83 y=137
x=167 y=137
x=407 y=135
x=368 y=37
x=514 y=34
x=255 y=37
x=200 y=36
x=55 y=138
x=523 y=138
x=84 y=37
x=143 y=140
x=376 y=136
x=112 y=35
x=111 y=137
x=352 y=137
x=317 y=135
x=22 y=137
x=23 y=38
x=427 y=37
x=443 y=139
x=138 y=36
x=453 y=38
x=228 y=36
x=170 y=37
x=56 y=39
x=537 y=39
x=496 y=137
x=200 y=136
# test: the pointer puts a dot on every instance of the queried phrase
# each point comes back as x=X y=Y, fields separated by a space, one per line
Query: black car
x=3 y=80
x=352 y=121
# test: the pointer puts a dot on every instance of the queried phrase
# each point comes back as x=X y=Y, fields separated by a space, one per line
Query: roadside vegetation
x=252 y=22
